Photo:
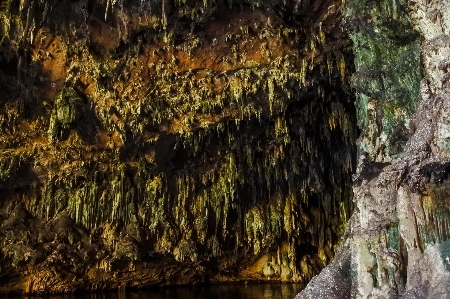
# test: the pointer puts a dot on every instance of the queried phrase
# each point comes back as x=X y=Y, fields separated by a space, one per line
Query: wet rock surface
x=172 y=142
x=397 y=238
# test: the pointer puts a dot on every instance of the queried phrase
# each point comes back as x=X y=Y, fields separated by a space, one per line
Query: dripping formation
x=172 y=142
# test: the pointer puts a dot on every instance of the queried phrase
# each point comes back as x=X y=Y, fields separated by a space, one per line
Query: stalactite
x=231 y=157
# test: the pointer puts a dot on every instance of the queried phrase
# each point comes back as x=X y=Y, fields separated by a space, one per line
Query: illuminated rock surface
x=165 y=142
x=174 y=142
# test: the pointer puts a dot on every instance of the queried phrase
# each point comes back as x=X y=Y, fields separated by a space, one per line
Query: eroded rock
x=397 y=237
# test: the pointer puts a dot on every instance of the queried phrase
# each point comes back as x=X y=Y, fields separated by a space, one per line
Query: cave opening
x=216 y=140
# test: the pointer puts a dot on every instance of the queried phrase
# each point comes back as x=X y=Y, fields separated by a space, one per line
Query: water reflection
x=228 y=291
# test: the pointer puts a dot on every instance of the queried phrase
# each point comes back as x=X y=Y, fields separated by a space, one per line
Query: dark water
x=228 y=291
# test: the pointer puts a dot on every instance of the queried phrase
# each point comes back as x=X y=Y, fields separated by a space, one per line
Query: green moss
x=394 y=238
x=445 y=144
x=67 y=110
x=387 y=60
x=444 y=249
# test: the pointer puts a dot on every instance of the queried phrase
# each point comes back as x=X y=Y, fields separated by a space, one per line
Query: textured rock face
x=396 y=242
x=172 y=142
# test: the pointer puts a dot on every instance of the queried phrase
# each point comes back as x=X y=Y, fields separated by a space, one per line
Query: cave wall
x=396 y=244
x=172 y=142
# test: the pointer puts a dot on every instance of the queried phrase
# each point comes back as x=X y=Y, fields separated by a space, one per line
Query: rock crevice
x=397 y=239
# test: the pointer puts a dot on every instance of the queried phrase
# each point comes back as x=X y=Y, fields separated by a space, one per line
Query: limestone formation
x=396 y=243
x=164 y=142
x=167 y=142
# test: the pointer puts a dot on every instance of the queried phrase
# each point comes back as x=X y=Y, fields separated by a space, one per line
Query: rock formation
x=163 y=142
x=396 y=244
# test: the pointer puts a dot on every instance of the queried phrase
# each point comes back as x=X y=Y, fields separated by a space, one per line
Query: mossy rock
x=68 y=107
x=67 y=110
x=387 y=62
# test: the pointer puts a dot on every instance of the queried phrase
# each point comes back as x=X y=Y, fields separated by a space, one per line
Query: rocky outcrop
x=396 y=244
x=172 y=142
